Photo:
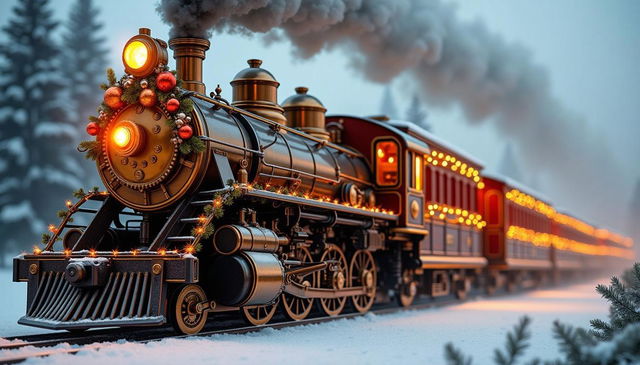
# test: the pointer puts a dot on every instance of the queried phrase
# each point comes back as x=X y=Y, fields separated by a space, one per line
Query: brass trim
x=442 y=262
x=410 y=230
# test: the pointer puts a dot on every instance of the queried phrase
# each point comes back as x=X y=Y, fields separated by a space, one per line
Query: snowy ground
x=416 y=337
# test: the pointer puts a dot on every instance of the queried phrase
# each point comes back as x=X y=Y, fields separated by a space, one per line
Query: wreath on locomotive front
x=146 y=129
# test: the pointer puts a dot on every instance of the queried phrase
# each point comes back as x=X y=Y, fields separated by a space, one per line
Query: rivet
x=33 y=269
x=156 y=269
x=156 y=129
x=154 y=159
x=139 y=174
x=157 y=148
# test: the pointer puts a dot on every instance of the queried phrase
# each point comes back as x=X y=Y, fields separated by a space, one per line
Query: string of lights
x=446 y=160
x=455 y=215
x=532 y=203
x=542 y=239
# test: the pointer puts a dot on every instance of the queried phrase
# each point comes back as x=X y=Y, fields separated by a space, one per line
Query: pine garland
x=65 y=214
x=214 y=211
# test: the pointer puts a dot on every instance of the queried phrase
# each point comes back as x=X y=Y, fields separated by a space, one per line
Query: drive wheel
x=492 y=281
x=333 y=280
x=299 y=308
x=259 y=315
x=362 y=272
x=408 y=289
x=461 y=287
x=183 y=313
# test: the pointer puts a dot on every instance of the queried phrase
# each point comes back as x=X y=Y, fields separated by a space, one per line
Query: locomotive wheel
x=512 y=282
x=493 y=279
x=299 y=308
x=461 y=287
x=259 y=315
x=333 y=280
x=408 y=289
x=184 y=316
x=362 y=272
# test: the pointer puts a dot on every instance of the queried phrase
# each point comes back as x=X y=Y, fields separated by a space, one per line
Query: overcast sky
x=590 y=47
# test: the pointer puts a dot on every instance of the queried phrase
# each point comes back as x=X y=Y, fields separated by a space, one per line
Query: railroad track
x=98 y=339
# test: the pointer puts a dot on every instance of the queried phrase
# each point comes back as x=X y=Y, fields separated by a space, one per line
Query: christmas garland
x=48 y=239
x=162 y=89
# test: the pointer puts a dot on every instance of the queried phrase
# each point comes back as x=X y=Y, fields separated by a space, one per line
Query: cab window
x=416 y=171
x=387 y=163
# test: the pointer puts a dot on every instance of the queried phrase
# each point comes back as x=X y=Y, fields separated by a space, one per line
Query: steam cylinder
x=247 y=278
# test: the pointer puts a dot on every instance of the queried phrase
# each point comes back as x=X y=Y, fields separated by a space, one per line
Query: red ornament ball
x=173 y=105
x=93 y=128
x=112 y=97
x=165 y=81
x=147 y=98
x=185 y=132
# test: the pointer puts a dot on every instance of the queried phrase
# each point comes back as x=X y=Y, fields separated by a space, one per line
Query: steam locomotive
x=282 y=209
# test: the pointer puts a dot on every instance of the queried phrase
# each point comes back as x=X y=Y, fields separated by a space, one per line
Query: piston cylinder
x=248 y=278
x=233 y=238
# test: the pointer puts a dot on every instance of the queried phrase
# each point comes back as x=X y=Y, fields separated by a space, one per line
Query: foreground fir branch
x=625 y=304
x=517 y=342
x=614 y=342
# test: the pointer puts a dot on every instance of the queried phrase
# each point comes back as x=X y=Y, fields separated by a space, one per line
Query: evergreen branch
x=601 y=329
x=91 y=148
x=454 y=356
x=111 y=76
x=516 y=343
x=567 y=341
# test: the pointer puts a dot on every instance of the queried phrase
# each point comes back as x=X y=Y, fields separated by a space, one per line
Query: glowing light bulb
x=136 y=54
x=122 y=136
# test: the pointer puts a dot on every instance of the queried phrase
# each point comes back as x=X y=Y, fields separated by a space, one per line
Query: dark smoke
x=455 y=63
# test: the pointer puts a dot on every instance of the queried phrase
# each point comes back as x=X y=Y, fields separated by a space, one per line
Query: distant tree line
x=48 y=87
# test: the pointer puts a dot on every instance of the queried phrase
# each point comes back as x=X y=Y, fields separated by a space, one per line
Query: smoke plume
x=455 y=63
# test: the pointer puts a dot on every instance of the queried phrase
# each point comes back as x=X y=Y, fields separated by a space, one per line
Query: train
x=261 y=208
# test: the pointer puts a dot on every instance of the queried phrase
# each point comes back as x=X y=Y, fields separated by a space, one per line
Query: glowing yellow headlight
x=136 y=54
x=122 y=136
x=142 y=54
x=128 y=138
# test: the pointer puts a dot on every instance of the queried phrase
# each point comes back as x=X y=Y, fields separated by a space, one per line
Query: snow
x=54 y=129
x=16 y=147
x=418 y=336
x=430 y=136
x=16 y=212
x=52 y=175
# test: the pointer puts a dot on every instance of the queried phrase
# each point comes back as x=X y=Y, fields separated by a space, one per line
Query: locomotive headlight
x=122 y=136
x=135 y=55
x=142 y=54
x=128 y=137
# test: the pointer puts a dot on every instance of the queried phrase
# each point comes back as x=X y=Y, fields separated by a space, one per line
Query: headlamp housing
x=142 y=54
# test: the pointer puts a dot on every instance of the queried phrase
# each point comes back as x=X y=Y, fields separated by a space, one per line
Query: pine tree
x=36 y=145
x=417 y=114
x=83 y=52
x=508 y=164
x=388 y=105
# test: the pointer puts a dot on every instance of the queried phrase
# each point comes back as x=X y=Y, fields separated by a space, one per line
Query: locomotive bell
x=306 y=113
x=256 y=90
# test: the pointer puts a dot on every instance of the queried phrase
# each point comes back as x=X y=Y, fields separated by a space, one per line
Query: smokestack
x=189 y=54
